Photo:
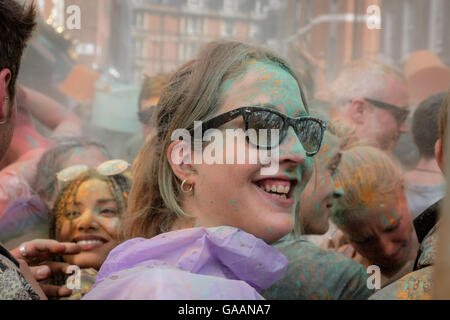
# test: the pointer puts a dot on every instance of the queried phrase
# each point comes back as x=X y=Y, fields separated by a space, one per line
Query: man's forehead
x=397 y=92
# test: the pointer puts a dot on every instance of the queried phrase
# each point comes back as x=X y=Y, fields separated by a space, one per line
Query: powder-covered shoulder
x=167 y=283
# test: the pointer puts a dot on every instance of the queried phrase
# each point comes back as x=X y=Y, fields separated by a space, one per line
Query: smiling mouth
x=89 y=242
x=277 y=188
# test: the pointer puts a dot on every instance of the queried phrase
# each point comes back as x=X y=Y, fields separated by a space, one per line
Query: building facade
x=167 y=33
x=338 y=31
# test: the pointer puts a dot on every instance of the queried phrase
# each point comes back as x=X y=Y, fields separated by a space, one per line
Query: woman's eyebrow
x=393 y=225
x=272 y=106
x=103 y=201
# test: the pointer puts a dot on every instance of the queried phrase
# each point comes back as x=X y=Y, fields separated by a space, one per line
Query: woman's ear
x=180 y=159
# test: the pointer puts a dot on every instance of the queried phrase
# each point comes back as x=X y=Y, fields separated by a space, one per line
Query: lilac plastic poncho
x=199 y=263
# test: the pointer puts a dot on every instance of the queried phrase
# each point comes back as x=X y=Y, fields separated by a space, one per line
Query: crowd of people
x=169 y=227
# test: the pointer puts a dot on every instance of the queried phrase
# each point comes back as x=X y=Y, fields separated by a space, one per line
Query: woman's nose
x=291 y=148
x=338 y=190
x=292 y=156
x=387 y=247
x=87 y=221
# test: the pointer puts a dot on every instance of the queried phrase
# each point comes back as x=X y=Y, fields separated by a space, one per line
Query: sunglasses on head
x=145 y=116
x=6 y=111
x=309 y=130
x=400 y=113
x=107 y=168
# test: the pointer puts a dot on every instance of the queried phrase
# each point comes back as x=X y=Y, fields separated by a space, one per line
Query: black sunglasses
x=400 y=113
x=145 y=116
x=309 y=130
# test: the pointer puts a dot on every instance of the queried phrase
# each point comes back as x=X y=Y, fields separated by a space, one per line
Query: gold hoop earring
x=182 y=187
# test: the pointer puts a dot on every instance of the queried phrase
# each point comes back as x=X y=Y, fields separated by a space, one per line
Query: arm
x=50 y=113
x=15 y=180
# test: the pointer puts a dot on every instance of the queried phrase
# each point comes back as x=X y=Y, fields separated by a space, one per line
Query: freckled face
x=231 y=194
x=317 y=198
x=92 y=221
x=384 y=234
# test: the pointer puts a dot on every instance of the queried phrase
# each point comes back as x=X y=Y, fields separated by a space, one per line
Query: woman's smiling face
x=90 y=220
x=235 y=194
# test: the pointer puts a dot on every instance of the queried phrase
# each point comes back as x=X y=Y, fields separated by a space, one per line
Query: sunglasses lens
x=146 y=115
x=310 y=133
x=112 y=167
x=260 y=128
x=71 y=173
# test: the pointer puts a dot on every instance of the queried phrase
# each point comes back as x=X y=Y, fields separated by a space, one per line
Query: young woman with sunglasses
x=202 y=231
x=88 y=212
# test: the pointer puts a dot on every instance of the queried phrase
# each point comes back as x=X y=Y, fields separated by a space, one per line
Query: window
x=229 y=6
x=194 y=25
x=139 y=20
x=228 y=28
x=138 y=48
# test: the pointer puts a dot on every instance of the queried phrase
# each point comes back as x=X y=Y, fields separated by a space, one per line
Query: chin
x=278 y=228
x=87 y=260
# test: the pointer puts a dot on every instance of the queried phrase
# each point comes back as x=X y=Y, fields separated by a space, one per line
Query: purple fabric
x=199 y=263
x=24 y=215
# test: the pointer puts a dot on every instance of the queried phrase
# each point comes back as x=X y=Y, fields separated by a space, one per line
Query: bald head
x=363 y=80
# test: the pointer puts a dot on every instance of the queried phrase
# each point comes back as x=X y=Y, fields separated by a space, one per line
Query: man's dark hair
x=153 y=87
x=425 y=124
x=16 y=26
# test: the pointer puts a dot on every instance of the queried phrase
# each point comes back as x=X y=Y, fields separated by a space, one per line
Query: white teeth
x=283 y=196
x=86 y=242
x=279 y=189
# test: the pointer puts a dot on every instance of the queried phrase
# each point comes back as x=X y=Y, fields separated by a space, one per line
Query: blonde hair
x=368 y=176
x=193 y=94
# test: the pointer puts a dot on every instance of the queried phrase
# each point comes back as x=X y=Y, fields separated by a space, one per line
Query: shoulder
x=318 y=273
x=13 y=285
x=152 y=283
x=413 y=286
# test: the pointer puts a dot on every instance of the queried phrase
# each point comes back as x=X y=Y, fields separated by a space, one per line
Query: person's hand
x=37 y=253
x=43 y=273
x=40 y=250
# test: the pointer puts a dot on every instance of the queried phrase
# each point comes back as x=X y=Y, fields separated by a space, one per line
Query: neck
x=428 y=164
x=426 y=173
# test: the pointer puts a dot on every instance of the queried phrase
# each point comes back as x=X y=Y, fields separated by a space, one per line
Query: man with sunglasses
x=372 y=98
x=151 y=90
